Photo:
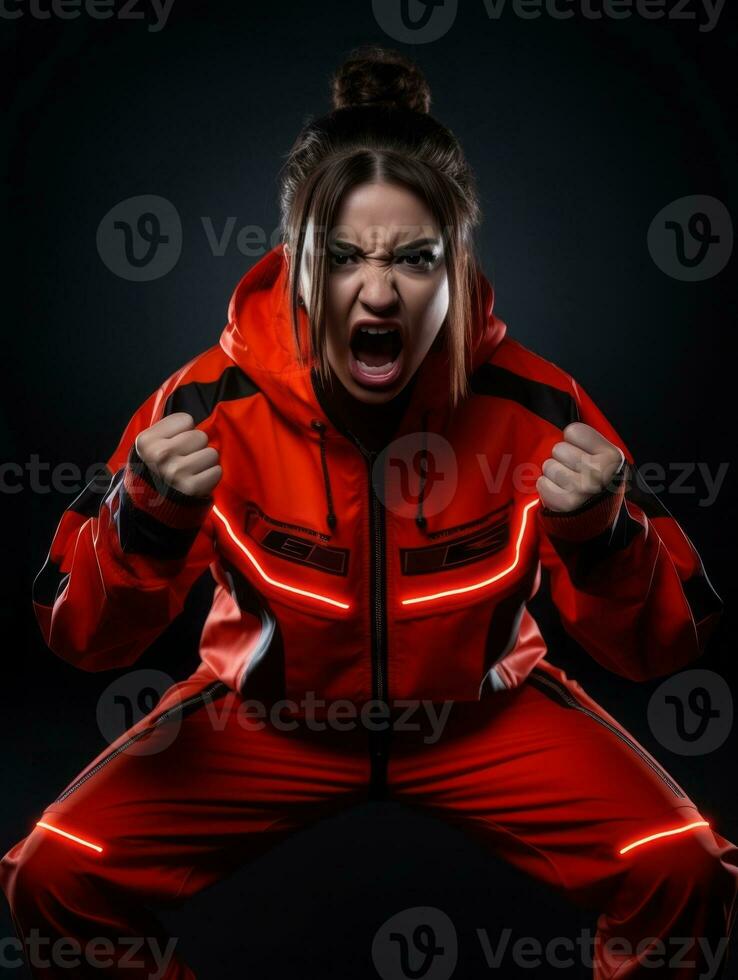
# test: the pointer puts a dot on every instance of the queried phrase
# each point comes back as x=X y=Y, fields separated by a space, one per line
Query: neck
x=373 y=425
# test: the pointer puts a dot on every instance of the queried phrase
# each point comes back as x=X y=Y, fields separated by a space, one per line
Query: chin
x=374 y=395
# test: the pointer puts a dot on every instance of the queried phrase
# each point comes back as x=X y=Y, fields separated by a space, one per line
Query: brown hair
x=380 y=129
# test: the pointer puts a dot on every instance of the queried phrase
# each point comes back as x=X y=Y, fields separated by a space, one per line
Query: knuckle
x=178 y=467
x=158 y=453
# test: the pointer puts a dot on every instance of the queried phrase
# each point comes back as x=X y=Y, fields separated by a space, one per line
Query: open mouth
x=375 y=355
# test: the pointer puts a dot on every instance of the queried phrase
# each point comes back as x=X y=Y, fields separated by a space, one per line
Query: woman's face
x=387 y=275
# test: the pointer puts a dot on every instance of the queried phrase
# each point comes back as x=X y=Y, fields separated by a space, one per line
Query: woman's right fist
x=179 y=454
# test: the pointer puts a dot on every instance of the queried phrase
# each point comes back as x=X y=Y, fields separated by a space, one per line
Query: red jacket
x=357 y=575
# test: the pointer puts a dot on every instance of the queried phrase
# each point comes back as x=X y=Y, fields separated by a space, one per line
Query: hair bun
x=373 y=75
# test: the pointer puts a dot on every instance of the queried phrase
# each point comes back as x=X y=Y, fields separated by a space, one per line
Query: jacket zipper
x=378 y=578
x=379 y=585
x=379 y=741
x=570 y=700
x=377 y=534
x=205 y=693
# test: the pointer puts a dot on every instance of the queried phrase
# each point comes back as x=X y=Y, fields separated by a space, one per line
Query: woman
x=375 y=474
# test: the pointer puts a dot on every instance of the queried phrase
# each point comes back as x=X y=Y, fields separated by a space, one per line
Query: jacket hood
x=259 y=339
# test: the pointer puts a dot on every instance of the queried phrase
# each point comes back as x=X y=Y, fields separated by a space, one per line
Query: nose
x=378 y=292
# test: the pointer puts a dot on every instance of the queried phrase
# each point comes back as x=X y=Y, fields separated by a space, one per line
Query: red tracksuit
x=349 y=577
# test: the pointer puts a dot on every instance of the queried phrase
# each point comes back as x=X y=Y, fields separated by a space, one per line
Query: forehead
x=382 y=215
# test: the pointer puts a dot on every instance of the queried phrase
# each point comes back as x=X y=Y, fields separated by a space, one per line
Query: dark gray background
x=580 y=131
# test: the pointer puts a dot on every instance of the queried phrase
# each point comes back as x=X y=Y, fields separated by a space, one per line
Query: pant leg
x=545 y=778
x=178 y=801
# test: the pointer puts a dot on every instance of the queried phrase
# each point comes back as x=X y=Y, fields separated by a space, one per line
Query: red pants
x=541 y=775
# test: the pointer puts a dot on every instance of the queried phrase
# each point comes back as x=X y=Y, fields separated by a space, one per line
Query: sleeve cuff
x=591 y=518
x=150 y=494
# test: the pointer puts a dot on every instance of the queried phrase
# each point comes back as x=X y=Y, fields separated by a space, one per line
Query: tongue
x=372 y=359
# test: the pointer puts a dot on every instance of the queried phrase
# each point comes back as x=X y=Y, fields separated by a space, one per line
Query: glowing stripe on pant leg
x=487 y=581
x=663 y=833
x=63 y=833
x=267 y=578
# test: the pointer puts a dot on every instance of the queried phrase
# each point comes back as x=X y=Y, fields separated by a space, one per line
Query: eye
x=337 y=258
x=419 y=260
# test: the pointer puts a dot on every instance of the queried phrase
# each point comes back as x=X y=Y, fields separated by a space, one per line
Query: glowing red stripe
x=267 y=578
x=664 y=833
x=63 y=833
x=487 y=581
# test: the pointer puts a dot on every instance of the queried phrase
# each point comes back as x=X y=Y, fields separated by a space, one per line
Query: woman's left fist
x=580 y=467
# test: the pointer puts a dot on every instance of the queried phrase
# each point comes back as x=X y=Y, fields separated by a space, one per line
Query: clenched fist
x=580 y=467
x=179 y=454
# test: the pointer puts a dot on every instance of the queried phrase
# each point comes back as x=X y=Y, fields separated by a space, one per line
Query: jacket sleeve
x=628 y=583
x=124 y=555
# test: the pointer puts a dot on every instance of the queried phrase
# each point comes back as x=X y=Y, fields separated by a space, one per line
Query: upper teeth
x=376 y=329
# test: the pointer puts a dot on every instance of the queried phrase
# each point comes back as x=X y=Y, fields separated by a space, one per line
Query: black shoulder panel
x=199 y=398
x=549 y=403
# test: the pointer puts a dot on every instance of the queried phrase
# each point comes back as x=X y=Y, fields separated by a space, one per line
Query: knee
x=693 y=865
x=35 y=871
x=707 y=868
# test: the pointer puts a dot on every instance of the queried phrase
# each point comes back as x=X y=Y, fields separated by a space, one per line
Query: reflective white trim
x=268 y=626
x=495 y=680
x=267 y=578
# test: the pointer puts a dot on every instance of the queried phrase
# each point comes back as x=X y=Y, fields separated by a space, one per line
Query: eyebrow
x=407 y=247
